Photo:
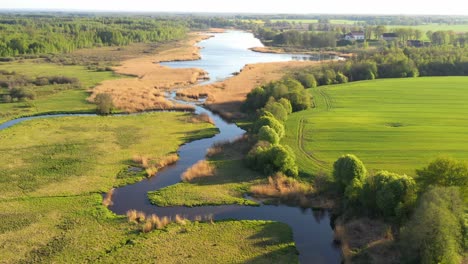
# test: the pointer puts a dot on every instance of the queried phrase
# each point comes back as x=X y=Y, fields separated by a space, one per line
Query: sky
x=428 y=7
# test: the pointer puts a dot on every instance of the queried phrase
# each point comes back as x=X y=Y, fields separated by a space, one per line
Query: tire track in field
x=300 y=143
x=327 y=99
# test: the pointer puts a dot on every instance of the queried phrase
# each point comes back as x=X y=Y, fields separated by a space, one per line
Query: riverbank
x=146 y=91
x=226 y=97
x=280 y=50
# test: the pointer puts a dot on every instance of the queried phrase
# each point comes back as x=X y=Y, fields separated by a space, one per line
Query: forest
x=36 y=34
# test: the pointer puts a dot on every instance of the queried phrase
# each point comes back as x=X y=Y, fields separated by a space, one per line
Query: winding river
x=221 y=56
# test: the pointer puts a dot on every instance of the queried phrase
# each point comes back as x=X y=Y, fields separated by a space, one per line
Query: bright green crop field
x=391 y=124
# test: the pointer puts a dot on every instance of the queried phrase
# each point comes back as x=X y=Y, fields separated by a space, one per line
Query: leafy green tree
x=272 y=122
x=349 y=173
x=268 y=134
x=277 y=109
x=286 y=104
x=443 y=171
x=307 y=80
x=389 y=194
x=435 y=232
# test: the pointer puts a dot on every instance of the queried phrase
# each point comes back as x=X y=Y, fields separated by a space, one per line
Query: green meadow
x=391 y=124
x=54 y=171
x=53 y=98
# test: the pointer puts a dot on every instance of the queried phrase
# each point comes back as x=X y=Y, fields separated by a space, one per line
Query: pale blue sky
x=446 y=7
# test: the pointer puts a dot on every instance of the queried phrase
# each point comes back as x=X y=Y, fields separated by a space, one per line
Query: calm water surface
x=229 y=52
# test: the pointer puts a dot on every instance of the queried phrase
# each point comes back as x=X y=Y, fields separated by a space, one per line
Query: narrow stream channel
x=312 y=231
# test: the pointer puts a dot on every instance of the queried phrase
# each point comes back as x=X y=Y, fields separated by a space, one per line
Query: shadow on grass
x=279 y=239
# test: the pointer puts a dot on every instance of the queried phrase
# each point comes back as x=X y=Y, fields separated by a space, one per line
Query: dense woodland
x=39 y=34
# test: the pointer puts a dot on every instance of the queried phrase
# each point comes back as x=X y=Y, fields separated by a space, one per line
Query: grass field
x=55 y=98
x=74 y=155
x=392 y=124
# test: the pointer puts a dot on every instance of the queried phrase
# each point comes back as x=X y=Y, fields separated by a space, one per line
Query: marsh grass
x=107 y=201
x=200 y=169
x=153 y=165
x=203 y=117
x=285 y=188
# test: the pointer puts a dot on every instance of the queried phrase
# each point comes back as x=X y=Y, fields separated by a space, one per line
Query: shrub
x=286 y=104
x=300 y=100
x=6 y=98
x=104 y=103
x=276 y=109
x=266 y=120
x=349 y=173
x=390 y=194
x=435 y=232
x=307 y=80
x=272 y=158
x=443 y=172
x=22 y=94
x=268 y=134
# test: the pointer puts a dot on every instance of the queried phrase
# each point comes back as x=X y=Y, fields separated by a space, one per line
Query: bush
x=435 y=232
x=22 y=94
x=389 y=194
x=349 y=173
x=307 y=80
x=443 y=172
x=300 y=100
x=270 y=121
x=268 y=134
x=104 y=104
x=286 y=104
x=272 y=158
x=277 y=109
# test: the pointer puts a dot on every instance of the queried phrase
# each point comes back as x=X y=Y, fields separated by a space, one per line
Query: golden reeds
x=200 y=169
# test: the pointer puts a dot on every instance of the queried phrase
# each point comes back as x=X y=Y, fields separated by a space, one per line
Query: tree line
x=21 y=35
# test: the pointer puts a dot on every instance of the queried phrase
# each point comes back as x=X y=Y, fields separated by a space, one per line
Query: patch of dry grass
x=145 y=91
x=201 y=118
x=366 y=240
x=284 y=188
x=107 y=201
x=235 y=149
x=199 y=170
x=152 y=165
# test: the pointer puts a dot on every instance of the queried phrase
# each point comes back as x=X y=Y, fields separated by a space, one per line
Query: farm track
x=300 y=143
x=326 y=98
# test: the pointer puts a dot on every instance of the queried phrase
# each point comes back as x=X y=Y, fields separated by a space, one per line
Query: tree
x=443 y=171
x=349 y=173
x=104 y=104
x=389 y=194
x=277 y=109
x=307 y=80
x=268 y=134
x=435 y=232
x=270 y=121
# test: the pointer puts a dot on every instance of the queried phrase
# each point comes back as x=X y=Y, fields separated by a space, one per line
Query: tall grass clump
x=153 y=165
x=201 y=169
x=284 y=188
x=107 y=201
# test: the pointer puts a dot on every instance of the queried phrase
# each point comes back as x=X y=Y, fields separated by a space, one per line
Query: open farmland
x=391 y=124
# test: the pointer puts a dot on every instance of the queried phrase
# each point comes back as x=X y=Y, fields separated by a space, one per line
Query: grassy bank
x=230 y=182
x=53 y=98
x=391 y=124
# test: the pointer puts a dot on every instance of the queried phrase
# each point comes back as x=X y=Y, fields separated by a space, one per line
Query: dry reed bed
x=284 y=188
x=199 y=170
x=151 y=222
x=107 y=201
x=152 y=165
x=373 y=236
x=145 y=91
x=201 y=118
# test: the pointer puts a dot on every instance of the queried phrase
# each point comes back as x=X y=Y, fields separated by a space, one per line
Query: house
x=389 y=36
x=355 y=35
x=415 y=43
